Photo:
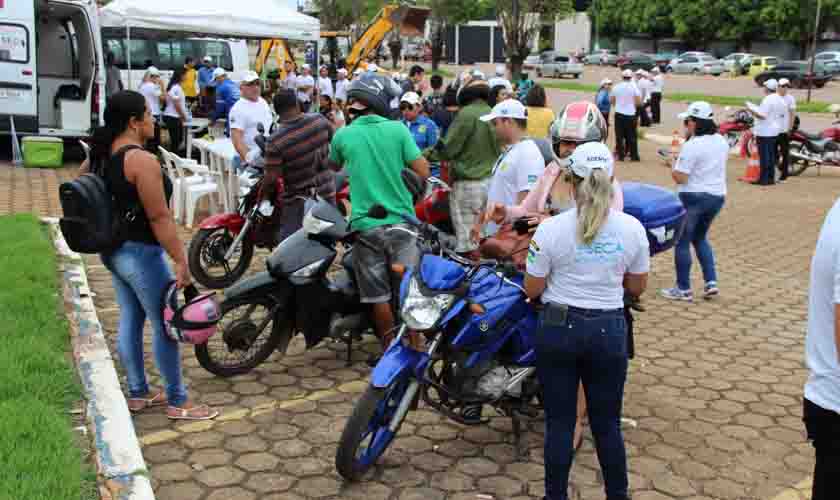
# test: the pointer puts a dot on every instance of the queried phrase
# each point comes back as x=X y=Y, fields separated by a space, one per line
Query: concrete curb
x=118 y=458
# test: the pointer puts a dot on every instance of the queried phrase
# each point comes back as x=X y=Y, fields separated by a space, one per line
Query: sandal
x=199 y=412
x=136 y=405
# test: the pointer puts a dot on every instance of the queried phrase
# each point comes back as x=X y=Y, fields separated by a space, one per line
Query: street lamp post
x=595 y=10
x=814 y=50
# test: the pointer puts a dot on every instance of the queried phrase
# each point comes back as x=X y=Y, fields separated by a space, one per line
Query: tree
x=742 y=22
x=610 y=17
x=793 y=20
x=520 y=21
x=698 y=23
x=447 y=13
x=652 y=18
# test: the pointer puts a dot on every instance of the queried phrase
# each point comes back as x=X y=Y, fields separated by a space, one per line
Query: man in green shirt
x=470 y=146
x=374 y=151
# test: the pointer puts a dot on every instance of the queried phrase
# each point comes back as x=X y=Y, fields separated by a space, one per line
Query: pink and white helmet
x=192 y=321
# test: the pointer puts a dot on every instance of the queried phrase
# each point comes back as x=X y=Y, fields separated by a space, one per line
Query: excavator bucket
x=410 y=19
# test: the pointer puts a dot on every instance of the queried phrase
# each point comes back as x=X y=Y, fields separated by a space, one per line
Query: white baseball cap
x=699 y=109
x=500 y=70
x=784 y=81
x=207 y=59
x=306 y=66
x=656 y=69
x=509 y=108
x=342 y=71
x=606 y=81
x=589 y=157
x=152 y=71
x=219 y=72
x=771 y=84
x=627 y=73
x=412 y=98
x=249 y=77
x=477 y=74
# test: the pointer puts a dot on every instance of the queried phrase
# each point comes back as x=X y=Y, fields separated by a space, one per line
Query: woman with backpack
x=138 y=267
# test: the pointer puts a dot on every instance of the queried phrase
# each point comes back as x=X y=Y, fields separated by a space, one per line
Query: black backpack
x=93 y=220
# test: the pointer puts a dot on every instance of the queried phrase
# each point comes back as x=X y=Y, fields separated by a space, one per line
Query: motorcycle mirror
x=260 y=128
x=377 y=212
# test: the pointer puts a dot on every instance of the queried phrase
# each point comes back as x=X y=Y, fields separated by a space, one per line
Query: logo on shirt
x=532 y=179
x=533 y=250
x=422 y=129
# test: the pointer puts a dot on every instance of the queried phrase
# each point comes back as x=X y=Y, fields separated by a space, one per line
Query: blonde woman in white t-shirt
x=580 y=263
x=700 y=173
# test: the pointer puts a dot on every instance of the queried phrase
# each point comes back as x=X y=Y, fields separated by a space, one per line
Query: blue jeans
x=141 y=276
x=767 y=159
x=701 y=210
x=588 y=347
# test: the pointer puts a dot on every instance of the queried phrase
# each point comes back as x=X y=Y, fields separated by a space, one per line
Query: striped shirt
x=300 y=150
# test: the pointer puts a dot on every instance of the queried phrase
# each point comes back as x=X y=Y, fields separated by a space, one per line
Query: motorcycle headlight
x=421 y=312
x=309 y=270
x=314 y=225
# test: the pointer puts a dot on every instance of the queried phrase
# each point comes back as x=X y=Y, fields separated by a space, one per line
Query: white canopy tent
x=250 y=19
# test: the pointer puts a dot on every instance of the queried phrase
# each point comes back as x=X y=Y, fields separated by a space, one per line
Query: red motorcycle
x=807 y=149
x=434 y=208
x=735 y=126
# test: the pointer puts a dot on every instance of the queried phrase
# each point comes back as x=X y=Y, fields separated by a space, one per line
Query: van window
x=14 y=43
x=772 y=60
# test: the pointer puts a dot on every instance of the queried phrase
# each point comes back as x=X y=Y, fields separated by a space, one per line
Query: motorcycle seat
x=812 y=137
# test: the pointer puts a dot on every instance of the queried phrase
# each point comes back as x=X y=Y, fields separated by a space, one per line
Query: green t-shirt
x=374 y=151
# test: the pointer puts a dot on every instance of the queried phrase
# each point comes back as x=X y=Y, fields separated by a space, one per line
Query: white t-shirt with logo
x=588 y=276
x=152 y=92
x=175 y=94
x=658 y=83
x=304 y=81
x=625 y=94
x=341 y=87
x=823 y=385
x=774 y=109
x=325 y=86
x=703 y=159
x=517 y=169
x=790 y=101
x=245 y=115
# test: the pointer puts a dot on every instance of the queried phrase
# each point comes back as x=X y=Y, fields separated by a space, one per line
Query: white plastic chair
x=189 y=174
x=218 y=171
x=194 y=191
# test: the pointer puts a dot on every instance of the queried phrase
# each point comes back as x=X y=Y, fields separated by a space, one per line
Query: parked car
x=761 y=64
x=637 y=61
x=602 y=57
x=531 y=62
x=744 y=58
x=663 y=59
x=683 y=55
x=553 y=64
x=830 y=60
x=698 y=65
x=797 y=73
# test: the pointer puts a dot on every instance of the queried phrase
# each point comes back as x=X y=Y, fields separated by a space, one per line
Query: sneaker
x=710 y=290
x=677 y=294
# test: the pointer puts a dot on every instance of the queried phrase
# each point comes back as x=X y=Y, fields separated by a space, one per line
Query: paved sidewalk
x=715 y=389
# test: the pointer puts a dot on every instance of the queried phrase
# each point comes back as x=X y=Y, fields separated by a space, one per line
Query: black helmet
x=376 y=91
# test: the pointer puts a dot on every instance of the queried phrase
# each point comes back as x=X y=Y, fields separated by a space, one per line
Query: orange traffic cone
x=753 y=172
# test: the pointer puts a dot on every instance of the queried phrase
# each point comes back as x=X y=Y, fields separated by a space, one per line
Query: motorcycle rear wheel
x=240 y=345
x=206 y=253
x=797 y=165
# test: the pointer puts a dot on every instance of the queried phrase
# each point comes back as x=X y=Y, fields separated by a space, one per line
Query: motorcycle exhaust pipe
x=799 y=155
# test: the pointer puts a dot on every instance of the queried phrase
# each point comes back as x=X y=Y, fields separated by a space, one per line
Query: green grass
x=801 y=107
x=444 y=73
x=41 y=458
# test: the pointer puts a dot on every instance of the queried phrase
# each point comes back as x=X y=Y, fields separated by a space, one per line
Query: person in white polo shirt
x=645 y=88
x=767 y=128
x=341 y=86
x=325 y=84
x=625 y=99
x=787 y=126
x=700 y=174
x=821 y=411
x=305 y=85
x=656 y=96
x=246 y=115
x=517 y=169
x=152 y=89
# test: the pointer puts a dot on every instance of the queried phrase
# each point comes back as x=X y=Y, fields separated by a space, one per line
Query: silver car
x=698 y=65
x=556 y=65
x=602 y=57
x=830 y=61
x=743 y=57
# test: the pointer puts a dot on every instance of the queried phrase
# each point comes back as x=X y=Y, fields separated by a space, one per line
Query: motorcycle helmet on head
x=375 y=92
x=580 y=122
x=191 y=320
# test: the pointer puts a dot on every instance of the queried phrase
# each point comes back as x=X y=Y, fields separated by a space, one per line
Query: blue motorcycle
x=478 y=325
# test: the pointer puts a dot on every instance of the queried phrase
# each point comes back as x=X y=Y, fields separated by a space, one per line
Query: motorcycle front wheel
x=367 y=434
x=207 y=258
x=798 y=165
x=247 y=333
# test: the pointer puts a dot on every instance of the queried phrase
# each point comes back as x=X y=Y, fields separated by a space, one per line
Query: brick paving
x=715 y=390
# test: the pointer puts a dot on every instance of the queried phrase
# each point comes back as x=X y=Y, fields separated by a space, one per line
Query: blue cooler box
x=660 y=211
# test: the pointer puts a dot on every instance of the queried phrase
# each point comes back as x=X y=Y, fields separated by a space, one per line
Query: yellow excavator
x=410 y=20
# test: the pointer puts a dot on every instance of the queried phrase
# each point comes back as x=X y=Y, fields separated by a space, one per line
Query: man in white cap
x=626 y=99
x=341 y=85
x=305 y=87
x=767 y=128
x=422 y=128
x=325 y=84
x=645 y=88
x=518 y=168
x=500 y=79
x=227 y=93
x=247 y=114
x=656 y=96
x=787 y=126
x=205 y=79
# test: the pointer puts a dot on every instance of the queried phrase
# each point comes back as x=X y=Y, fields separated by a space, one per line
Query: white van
x=166 y=51
x=52 y=73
